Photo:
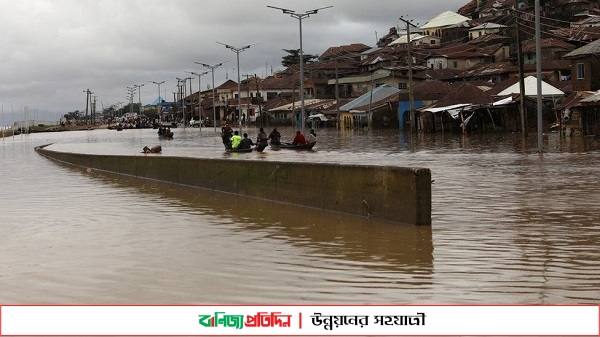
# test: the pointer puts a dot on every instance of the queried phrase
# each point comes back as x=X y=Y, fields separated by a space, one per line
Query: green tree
x=73 y=115
x=293 y=57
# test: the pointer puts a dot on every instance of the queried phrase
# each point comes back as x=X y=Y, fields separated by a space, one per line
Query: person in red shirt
x=299 y=139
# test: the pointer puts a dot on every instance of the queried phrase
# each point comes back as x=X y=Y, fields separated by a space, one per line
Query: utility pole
x=538 y=64
x=88 y=94
x=258 y=101
x=191 y=91
x=87 y=104
x=139 y=97
x=411 y=100
x=248 y=97
x=131 y=93
x=337 y=96
x=94 y=111
x=521 y=79
x=181 y=89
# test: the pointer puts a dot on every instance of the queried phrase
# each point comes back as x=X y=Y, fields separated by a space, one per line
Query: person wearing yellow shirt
x=236 y=139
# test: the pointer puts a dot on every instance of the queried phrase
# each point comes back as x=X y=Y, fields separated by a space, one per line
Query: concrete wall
x=391 y=193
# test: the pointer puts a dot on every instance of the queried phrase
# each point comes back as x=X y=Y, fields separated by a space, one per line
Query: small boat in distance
x=165 y=132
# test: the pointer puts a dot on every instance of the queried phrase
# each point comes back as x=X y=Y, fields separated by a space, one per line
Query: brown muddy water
x=509 y=226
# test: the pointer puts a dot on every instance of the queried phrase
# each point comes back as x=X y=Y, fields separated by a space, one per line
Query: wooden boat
x=289 y=146
x=238 y=150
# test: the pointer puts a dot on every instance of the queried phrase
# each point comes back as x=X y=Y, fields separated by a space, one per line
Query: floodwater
x=510 y=225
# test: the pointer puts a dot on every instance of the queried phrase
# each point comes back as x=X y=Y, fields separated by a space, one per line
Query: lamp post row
x=238 y=50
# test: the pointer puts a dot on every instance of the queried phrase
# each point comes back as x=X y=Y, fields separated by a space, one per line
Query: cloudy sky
x=53 y=50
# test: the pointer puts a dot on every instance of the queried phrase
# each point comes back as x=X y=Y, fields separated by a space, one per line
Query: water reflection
x=367 y=242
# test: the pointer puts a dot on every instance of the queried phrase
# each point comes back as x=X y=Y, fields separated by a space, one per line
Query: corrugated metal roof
x=333 y=52
x=465 y=93
x=531 y=88
x=404 y=38
x=488 y=25
x=307 y=102
x=595 y=97
x=362 y=78
x=444 y=19
x=573 y=100
x=530 y=45
x=592 y=48
x=372 y=96
x=578 y=34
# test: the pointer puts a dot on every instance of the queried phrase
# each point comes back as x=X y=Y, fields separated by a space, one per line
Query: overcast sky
x=53 y=50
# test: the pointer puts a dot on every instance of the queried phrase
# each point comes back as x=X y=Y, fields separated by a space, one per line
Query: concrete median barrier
x=397 y=194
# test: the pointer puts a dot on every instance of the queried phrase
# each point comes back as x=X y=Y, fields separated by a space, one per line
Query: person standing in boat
x=275 y=137
x=299 y=139
x=312 y=137
x=262 y=139
x=246 y=142
x=226 y=132
x=236 y=139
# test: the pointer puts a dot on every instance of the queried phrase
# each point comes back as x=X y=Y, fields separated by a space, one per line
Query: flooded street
x=508 y=226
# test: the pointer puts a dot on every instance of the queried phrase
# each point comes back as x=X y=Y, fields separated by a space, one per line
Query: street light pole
x=237 y=51
x=300 y=17
x=184 y=80
x=159 y=105
x=212 y=68
x=199 y=99
x=131 y=93
x=184 y=95
x=139 y=86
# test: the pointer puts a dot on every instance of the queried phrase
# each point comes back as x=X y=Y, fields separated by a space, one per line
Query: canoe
x=289 y=146
x=239 y=150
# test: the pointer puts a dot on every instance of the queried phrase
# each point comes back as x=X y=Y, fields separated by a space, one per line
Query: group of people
x=233 y=140
x=299 y=139
x=165 y=131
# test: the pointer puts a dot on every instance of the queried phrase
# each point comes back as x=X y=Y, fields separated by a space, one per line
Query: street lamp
x=300 y=17
x=212 y=68
x=139 y=86
x=237 y=51
x=159 y=107
x=184 y=81
x=131 y=93
x=199 y=100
